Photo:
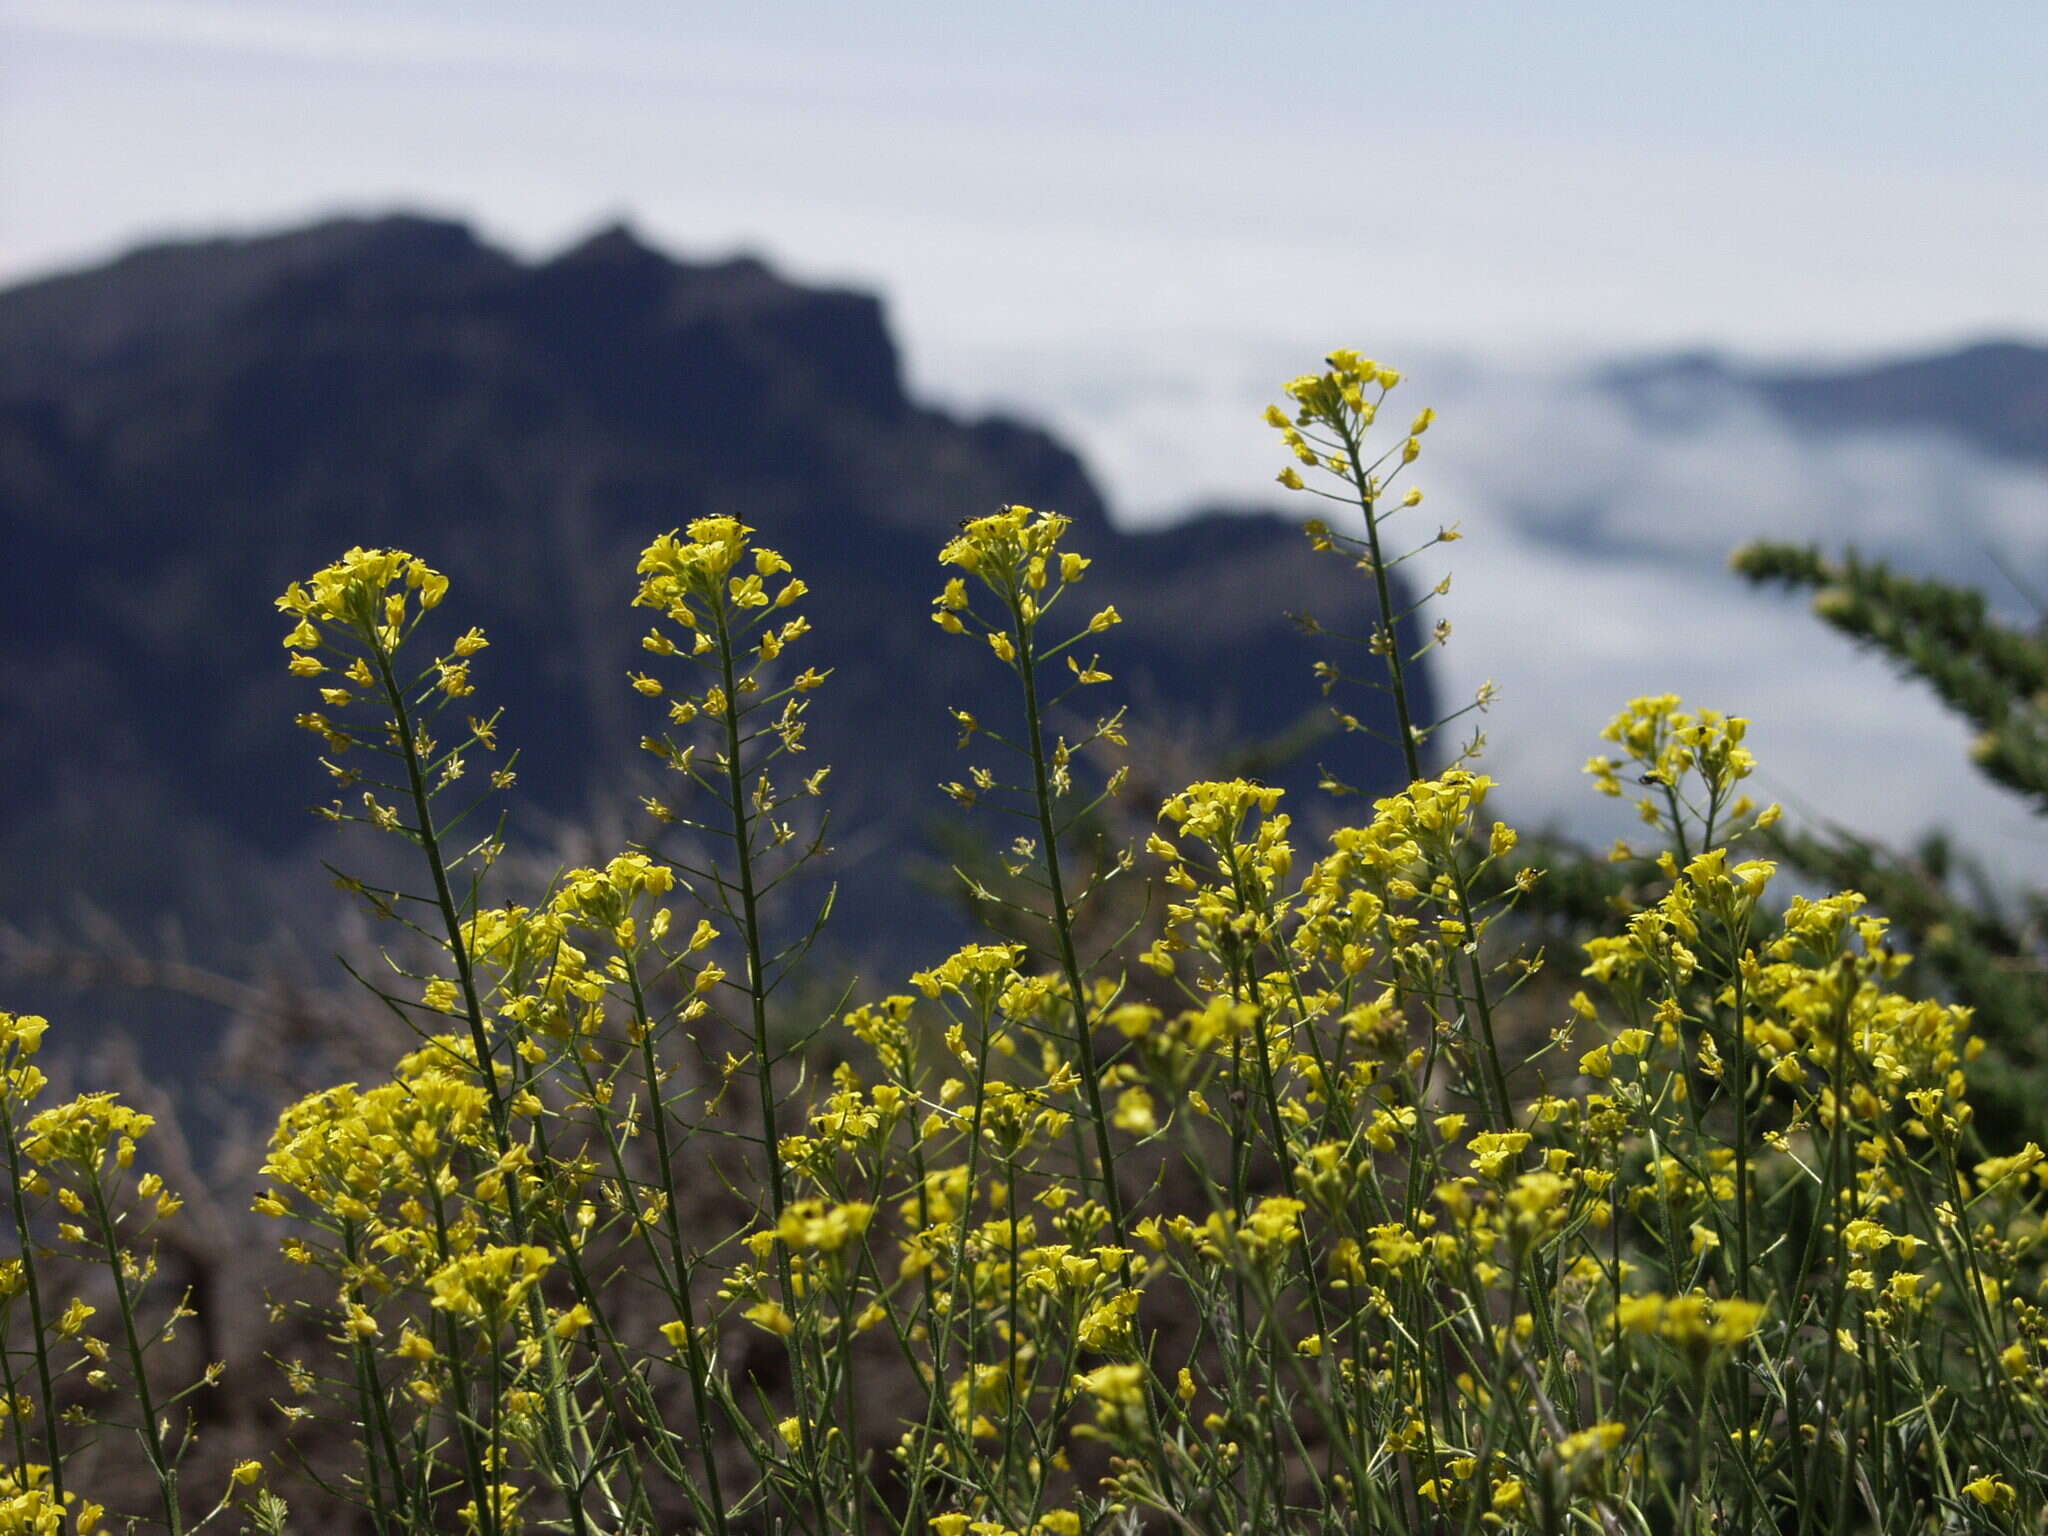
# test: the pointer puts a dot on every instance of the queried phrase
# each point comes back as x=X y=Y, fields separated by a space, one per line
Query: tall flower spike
x=1325 y=429
x=1014 y=555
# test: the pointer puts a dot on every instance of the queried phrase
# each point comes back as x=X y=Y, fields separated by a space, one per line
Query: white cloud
x=1594 y=567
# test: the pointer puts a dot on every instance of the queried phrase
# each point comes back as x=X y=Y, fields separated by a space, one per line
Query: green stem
x=1738 y=1068
x=1397 y=672
x=475 y=1472
x=45 y=1386
x=1502 y=1109
x=370 y=1392
x=558 y=1433
x=1063 y=929
x=693 y=1352
x=757 y=992
x=16 y=1421
x=807 y=1447
x=1833 y=1220
x=152 y=1432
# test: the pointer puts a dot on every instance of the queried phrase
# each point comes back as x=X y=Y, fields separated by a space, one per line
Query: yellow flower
x=573 y=1321
x=768 y=1315
x=487 y=1285
x=1134 y=1112
x=1991 y=1492
x=1493 y=1151
x=413 y=1345
x=999 y=548
x=22 y=1032
x=811 y=1224
x=1691 y=1321
x=1599 y=1439
x=82 y=1132
x=351 y=594
x=1116 y=1384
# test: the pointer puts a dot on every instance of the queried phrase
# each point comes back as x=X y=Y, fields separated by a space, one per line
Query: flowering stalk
x=677 y=1280
x=696 y=583
x=380 y=1449
x=1327 y=432
x=20 y=1081
x=151 y=1430
x=90 y=1139
x=567 y=1478
x=1334 y=412
x=1015 y=554
x=351 y=606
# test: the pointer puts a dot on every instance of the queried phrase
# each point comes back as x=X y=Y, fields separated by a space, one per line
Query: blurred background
x=520 y=285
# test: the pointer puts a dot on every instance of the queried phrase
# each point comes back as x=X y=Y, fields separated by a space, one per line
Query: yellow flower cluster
x=21 y=1034
x=1664 y=746
x=489 y=1285
x=1266 y=1198
x=679 y=572
x=815 y=1225
x=29 y=1506
x=1016 y=544
x=1016 y=554
x=356 y=593
x=1691 y=1321
x=1333 y=411
x=977 y=972
x=82 y=1134
x=706 y=584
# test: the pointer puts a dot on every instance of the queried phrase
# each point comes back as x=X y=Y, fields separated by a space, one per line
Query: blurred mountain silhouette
x=1991 y=394
x=185 y=430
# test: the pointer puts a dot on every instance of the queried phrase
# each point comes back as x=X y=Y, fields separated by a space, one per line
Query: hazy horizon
x=1789 y=178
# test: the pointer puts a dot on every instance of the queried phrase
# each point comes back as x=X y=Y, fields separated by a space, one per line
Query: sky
x=1131 y=221
x=1769 y=174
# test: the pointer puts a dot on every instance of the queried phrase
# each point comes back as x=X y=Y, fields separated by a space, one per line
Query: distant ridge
x=1992 y=394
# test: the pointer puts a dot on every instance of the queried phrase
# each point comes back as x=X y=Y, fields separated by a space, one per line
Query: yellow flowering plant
x=1309 y=1202
x=82 y=1214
